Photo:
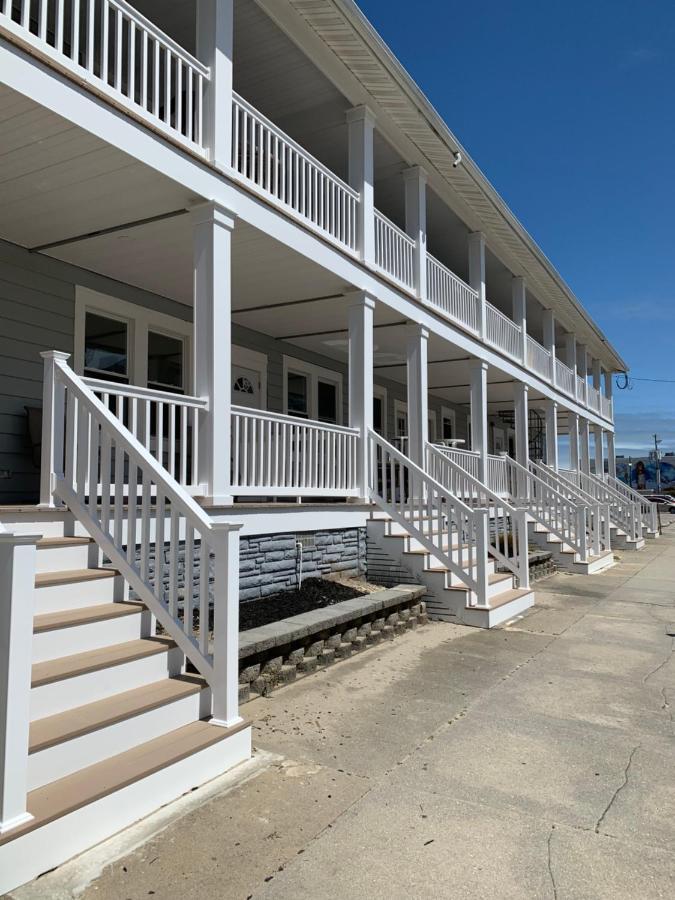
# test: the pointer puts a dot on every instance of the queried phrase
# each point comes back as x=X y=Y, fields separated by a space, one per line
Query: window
x=312 y=392
x=327 y=401
x=165 y=362
x=297 y=395
x=106 y=347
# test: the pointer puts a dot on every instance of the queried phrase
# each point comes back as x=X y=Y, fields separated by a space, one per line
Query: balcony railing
x=502 y=332
x=581 y=389
x=469 y=462
x=394 y=251
x=280 y=168
x=564 y=378
x=538 y=359
x=594 y=399
x=451 y=295
x=277 y=455
x=122 y=54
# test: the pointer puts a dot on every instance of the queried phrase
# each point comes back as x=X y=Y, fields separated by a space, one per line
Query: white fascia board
x=262 y=519
x=42 y=84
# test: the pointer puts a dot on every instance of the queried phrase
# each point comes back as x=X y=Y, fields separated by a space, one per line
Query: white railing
x=469 y=462
x=502 y=332
x=166 y=424
x=623 y=512
x=597 y=515
x=394 y=251
x=593 y=398
x=538 y=358
x=448 y=529
x=122 y=54
x=564 y=517
x=283 y=170
x=84 y=444
x=606 y=407
x=507 y=541
x=581 y=389
x=564 y=378
x=285 y=456
x=648 y=510
x=451 y=295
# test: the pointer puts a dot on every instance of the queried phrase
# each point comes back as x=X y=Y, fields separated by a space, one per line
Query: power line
x=627 y=382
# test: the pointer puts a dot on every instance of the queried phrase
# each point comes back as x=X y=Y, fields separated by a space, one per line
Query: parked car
x=663 y=500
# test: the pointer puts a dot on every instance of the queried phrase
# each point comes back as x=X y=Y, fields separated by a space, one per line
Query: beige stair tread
x=72 y=576
x=68 y=618
x=95 y=782
x=47 y=543
x=92 y=716
x=506 y=597
x=91 y=660
x=495 y=578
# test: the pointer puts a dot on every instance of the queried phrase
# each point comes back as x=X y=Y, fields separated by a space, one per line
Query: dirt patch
x=315 y=593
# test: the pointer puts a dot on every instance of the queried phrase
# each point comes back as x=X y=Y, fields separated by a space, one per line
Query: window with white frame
x=311 y=392
x=124 y=342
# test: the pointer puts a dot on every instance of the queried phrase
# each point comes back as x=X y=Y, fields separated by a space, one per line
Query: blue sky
x=568 y=109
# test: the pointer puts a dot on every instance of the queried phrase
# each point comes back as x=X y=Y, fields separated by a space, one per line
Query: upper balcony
x=120 y=54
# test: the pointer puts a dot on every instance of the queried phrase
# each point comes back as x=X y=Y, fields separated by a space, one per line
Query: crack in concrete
x=618 y=790
x=662 y=664
x=550 y=863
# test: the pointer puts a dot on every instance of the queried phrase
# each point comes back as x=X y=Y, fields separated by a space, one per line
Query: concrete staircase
x=117 y=729
x=448 y=598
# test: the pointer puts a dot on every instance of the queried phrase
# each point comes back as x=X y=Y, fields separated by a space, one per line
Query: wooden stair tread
x=503 y=599
x=72 y=576
x=47 y=543
x=67 y=618
x=55 y=800
x=92 y=660
x=81 y=720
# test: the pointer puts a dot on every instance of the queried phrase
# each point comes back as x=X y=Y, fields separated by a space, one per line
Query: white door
x=246 y=387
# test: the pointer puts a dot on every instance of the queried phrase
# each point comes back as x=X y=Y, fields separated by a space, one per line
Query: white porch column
x=582 y=370
x=17 y=583
x=479 y=430
x=361 y=378
x=522 y=437
x=599 y=450
x=415 y=180
x=215 y=32
x=477 y=275
x=584 y=446
x=611 y=454
x=552 y=434
x=548 y=321
x=418 y=392
x=212 y=240
x=571 y=356
x=573 y=426
x=519 y=299
x=608 y=393
x=597 y=374
x=361 y=124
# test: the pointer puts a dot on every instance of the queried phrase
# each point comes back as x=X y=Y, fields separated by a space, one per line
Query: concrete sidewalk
x=534 y=761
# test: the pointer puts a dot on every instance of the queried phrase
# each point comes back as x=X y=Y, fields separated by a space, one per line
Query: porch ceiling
x=58 y=181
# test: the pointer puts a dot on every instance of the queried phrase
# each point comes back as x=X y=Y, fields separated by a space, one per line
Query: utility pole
x=657 y=458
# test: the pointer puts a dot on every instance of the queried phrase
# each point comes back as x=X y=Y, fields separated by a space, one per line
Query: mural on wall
x=640 y=472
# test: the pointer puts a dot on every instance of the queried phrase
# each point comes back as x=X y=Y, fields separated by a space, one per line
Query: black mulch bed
x=315 y=593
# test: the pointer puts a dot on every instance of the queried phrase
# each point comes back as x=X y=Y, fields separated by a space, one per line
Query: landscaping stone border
x=278 y=653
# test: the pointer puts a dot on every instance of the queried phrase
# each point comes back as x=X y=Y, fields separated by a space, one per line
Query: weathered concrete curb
x=281 y=651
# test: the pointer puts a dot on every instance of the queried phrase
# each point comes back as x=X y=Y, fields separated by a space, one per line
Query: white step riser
x=58 y=696
x=399 y=547
x=53 y=844
x=59 y=559
x=64 y=759
x=419 y=565
x=78 y=595
x=90 y=636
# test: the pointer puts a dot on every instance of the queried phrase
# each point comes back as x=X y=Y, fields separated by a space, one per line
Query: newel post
x=17 y=585
x=225 y=683
x=482 y=550
x=53 y=411
x=522 y=544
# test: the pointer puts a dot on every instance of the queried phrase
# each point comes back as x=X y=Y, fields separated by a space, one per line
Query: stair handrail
x=423 y=507
x=506 y=544
x=598 y=520
x=88 y=450
x=623 y=512
x=648 y=510
x=565 y=517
